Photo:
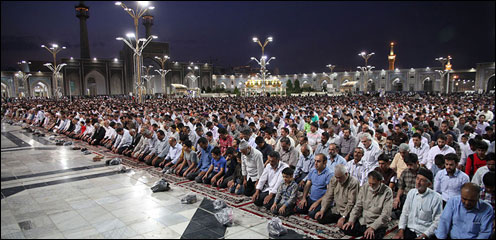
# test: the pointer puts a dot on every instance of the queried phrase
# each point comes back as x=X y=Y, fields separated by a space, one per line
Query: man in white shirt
x=422 y=209
x=154 y=157
x=269 y=182
x=315 y=135
x=490 y=167
x=441 y=148
x=252 y=167
x=420 y=148
x=126 y=140
x=214 y=129
x=356 y=168
x=172 y=157
x=284 y=133
x=371 y=153
x=465 y=150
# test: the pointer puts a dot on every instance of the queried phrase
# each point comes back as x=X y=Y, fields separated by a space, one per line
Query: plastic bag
x=86 y=152
x=161 y=186
x=123 y=169
x=276 y=228
x=67 y=143
x=51 y=138
x=225 y=216
x=189 y=199
x=219 y=204
x=113 y=161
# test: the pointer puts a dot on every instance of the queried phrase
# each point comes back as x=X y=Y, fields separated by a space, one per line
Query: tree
x=289 y=86
x=297 y=88
x=236 y=91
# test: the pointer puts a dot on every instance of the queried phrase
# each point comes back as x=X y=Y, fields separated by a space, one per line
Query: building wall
x=410 y=79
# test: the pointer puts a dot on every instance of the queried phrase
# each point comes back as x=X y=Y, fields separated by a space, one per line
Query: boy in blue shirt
x=216 y=169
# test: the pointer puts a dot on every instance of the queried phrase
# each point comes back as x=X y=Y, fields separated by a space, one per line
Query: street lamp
x=365 y=71
x=148 y=77
x=263 y=62
x=162 y=71
x=55 y=68
x=194 y=77
x=141 y=8
x=333 y=75
x=365 y=57
x=24 y=78
x=193 y=69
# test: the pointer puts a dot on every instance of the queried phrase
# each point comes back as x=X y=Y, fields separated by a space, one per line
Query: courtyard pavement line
x=51 y=172
x=13 y=190
x=61 y=176
x=41 y=140
x=13 y=149
x=19 y=142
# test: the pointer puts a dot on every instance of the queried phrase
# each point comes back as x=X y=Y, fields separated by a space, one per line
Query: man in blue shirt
x=466 y=216
x=334 y=158
x=204 y=163
x=318 y=179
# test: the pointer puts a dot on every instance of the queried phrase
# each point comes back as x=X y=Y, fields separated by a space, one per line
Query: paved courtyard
x=51 y=191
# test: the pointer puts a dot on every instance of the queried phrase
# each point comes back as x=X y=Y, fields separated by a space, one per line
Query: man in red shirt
x=225 y=140
x=476 y=160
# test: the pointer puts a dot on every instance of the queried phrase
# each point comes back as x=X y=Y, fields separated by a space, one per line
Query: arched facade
x=37 y=82
x=427 y=84
x=397 y=84
x=490 y=84
x=95 y=83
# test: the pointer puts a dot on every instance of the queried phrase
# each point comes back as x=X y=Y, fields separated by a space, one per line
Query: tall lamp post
x=141 y=8
x=365 y=57
x=263 y=60
x=331 y=67
x=162 y=71
x=148 y=79
x=23 y=77
x=365 y=71
x=55 y=68
x=194 y=77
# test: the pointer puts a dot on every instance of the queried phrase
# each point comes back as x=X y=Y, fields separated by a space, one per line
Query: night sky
x=307 y=35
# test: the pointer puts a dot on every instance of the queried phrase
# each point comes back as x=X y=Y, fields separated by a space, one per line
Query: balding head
x=470 y=195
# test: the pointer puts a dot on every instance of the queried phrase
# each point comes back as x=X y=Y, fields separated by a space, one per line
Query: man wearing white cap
x=252 y=166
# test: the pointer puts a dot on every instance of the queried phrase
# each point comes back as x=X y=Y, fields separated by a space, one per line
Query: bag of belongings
x=68 y=143
x=189 y=199
x=219 y=204
x=161 y=186
x=225 y=216
x=276 y=228
x=86 y=152
x=113 y=161
x=123 y=169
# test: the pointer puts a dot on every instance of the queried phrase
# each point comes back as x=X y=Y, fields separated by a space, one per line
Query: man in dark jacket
x=98 y=135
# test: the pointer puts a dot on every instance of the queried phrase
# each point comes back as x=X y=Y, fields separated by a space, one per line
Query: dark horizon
x=307 y=35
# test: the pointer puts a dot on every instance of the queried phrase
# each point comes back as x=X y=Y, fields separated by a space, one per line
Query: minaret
x=391 y=57
x=82 y=12
x=448 y=65
x=148 y=22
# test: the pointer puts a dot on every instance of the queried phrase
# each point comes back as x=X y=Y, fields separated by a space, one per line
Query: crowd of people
x=358 y=161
